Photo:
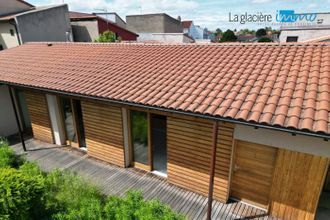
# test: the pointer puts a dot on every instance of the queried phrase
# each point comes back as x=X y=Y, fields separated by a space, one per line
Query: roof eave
x=293 y=131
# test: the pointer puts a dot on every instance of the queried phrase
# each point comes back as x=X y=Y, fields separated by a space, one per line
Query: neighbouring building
x=113 y=17
x=87 y=27
x=157 y=28
x=304 y=31
x=244 y=121
x=193 y=31
x=21 y=22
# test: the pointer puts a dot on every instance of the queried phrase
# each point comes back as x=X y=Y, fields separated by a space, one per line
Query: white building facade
x=316 y=30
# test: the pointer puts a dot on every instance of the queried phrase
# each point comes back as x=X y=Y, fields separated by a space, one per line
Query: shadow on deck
x=114 y=180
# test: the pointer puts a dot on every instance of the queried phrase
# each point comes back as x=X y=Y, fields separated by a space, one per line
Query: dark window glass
x=69 y=120
x=139 y=126
x=12 y=33
x=291 y=39
x=1 y=47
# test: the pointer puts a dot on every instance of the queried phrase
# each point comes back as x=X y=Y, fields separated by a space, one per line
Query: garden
x=26 y=192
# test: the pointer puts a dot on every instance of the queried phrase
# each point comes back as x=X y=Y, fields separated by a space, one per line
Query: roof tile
x=285 y=85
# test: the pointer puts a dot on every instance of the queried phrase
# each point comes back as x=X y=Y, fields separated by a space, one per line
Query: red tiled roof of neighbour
x=186 y=24
x=281 y=85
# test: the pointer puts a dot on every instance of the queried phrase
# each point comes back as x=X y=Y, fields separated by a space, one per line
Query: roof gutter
x=209 y=117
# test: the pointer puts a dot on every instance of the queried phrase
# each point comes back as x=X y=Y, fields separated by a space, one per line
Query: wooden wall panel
x=189 y=145
x=104 y=132
x=297 y=183
x=39 y=116
x=253 y=172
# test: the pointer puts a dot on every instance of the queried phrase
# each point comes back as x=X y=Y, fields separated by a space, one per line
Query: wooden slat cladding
x=39 y=116
x=189 y=152
x=104 y=132
x=253 y=172
x=298 y=180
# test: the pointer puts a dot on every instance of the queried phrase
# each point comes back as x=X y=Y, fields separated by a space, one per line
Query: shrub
x=154 y=209
x=7 y=155
x=106 y=36
x=265 y=39
x=68 y=195
x=134 y=207
x=20 y=193
x=28 y=193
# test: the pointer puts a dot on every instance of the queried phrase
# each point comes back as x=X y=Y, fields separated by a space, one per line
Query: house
x=31 y=23
x=243 y=121
x=87 y=28
x=21 y=22
x=157 y=28
x=196 y=32
x=303 y=31
x=113 y=17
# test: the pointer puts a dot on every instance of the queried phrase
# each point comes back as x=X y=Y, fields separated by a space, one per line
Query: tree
x=265 y=39
x=107 y=36
x=218 y=31
x=228 y=36
x=261 y=32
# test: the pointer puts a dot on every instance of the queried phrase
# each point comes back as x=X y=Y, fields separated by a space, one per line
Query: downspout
x=16 y=117
x=16 y=29
x=212 y=169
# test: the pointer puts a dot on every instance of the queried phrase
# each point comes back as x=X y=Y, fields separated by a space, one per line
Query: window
x=1 y=47
x=139 y=129
x=12 y=33
x=291 y=39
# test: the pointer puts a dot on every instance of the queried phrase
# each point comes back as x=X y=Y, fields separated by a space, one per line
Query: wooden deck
x=113 y=180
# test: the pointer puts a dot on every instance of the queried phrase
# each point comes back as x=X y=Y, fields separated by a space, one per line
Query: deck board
x=113 y=180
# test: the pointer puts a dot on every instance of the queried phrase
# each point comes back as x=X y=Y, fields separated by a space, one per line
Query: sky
x=206 y=13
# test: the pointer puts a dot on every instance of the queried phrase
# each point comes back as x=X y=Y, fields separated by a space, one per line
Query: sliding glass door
x=73 y=122
x=159 y=146
x=139 y=135
x=148 y=141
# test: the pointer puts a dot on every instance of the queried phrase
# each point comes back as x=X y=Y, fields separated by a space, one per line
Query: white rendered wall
x=299 y=143
x=8 y=124
x=55 y=118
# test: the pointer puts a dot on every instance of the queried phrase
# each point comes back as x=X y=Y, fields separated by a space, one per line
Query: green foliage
x=261 y=32
x=20 y=193
x=247 y=31
x=154 y=209
x=105 y=37
x=140 y=127
x=28 y=193
x=265 y=39
x=68 y=195
x=228 y=36
x=7 y=155
x=218 y=31
x=134 y=207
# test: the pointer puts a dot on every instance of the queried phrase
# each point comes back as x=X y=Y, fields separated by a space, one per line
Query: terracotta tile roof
x=186 y=24
x=285 y=85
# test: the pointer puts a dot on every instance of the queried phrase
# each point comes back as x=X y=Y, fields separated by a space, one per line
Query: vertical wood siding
x=39 y=116
x=104 y=132
x=189 y=152
x=298 y=180
x=253 y=172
